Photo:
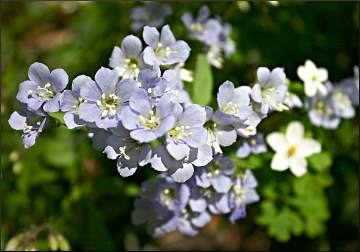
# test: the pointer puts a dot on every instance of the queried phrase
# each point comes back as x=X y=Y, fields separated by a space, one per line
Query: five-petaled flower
x=292 y=149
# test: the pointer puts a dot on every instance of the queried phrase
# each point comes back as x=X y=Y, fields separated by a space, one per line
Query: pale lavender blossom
x=30 y=123
x=180 y=169
x=218 y=134
x=163 y=48
x=145 y=120
x=104 y=98
x=235 y=109
x=188 y=131
x=217 y=174
x=152 y=83
x=151 y=13
x=270 y=91
x=202 y=28
x=43 y=89
x=175 y=86
x=164 y=207
x=254 y=144
x=129 y=153
x=321 y=110
x=242 y=193
x=127 y=60
x=71 y=100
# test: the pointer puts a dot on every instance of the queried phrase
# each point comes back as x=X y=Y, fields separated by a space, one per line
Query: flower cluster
x=166 y=205
x=328 y=103
x=211 y=32
x=137 y=112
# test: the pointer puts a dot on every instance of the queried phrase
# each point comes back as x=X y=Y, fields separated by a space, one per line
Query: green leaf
x=203 y=81
x=320 y=161
x=58 y=116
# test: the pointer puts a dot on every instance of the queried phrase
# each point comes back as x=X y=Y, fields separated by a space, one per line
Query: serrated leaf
x=320 y=161
x=203 y=81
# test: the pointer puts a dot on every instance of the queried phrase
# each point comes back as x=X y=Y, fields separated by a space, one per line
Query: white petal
x=322 y=74
x=277 y=141
x=302 y=73
x=307 y=147
x=298 y=166
x=321 y=87
x=310 y=67
x=310 y=88
x=280 y=161
x=294 y=133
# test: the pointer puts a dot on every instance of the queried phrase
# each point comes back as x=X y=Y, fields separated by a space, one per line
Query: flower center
x=231 y=108
x=253 y=142
x=292 y=151
x=79 y=101
x=122 y=151
x=168 y=196
x=46 y=92
x=197 y=27
x=163 y=52
x=213 y=170
x=132 y=67
x=152 y=122
x=108 y=104
x=314 y=78
x=342 y=100
x=238 y=191
x=179 y=132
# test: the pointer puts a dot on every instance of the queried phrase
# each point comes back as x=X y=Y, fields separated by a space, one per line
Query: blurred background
x=62 y=187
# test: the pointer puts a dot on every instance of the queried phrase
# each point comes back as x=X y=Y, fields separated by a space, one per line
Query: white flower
x=313 y=78
x=291 y=149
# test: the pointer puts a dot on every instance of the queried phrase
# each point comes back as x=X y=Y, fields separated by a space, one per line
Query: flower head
x=271 y=90
x=202 y=28
x=151 y=13
x=30 y=123
x=129 y=153
x=145 y=120
x=104 y=98
x=127 y=60
x=163 y=48
x=292 y=149
x=43 y=89
x=254 y=144
x=242 y=193
x=321 y=109
x=313 y=78
x=71 y=100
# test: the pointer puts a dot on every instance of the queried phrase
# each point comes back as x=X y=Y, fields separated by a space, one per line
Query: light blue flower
x=30 y=123
x=254 y=144
x=104 y=98
x=43 y=89
x=71 y=100
x=127 y=60
x=145 y=120
x=202 y=28
x=163 y=48
x=242 y=193
x=270 y=91
x=129 y=153
x=151 y=13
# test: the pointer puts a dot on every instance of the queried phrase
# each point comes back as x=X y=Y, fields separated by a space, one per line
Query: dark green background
x=64 y=182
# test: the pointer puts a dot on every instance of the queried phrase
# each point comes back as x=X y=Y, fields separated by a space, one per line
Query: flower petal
x=280 y=162
x=294 y=133
x=298 y=166
x=277 y=141
x=307 y=147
